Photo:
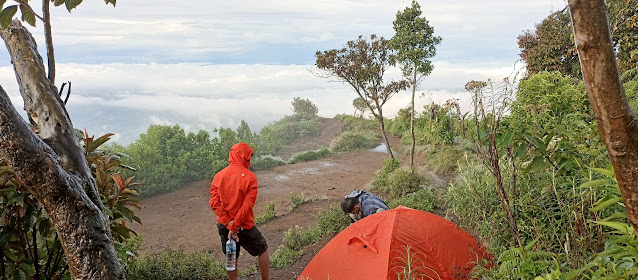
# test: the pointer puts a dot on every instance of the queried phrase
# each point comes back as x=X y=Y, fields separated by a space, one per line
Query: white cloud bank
x=206 y=64
x=126 y=98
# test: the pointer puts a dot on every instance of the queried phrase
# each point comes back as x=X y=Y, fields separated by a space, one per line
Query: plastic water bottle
x=231 y=249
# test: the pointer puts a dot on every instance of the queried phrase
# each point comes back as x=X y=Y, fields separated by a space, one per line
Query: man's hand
x=233 y=235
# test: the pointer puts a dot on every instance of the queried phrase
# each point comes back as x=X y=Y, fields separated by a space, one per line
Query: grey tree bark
x=52 y=164
x=616 y=119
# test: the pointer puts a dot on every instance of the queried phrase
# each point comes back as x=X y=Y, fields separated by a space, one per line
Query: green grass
x=268 y=215
x=284 y=256
x=380 y=180
x=296 y=238
x=422 y=199
x=298 y=199
x=355 y=139
x=176 y=265
x=266 y=162
x=309 y=155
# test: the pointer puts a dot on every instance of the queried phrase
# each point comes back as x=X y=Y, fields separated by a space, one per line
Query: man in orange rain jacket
x=232 y=196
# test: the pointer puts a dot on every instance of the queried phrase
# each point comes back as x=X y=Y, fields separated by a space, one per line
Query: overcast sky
x=206 y=64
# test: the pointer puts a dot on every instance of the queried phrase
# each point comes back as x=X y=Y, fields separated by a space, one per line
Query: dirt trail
x=184 y=218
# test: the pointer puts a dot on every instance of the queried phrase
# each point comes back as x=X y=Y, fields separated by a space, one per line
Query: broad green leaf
x=20 y=275
x=110 y=2
x=604 y=204
x=537 y=163
x=530 y=245
x=7 y=15
x=595 y=183
x=58 y=2
x=540 y=144
x=71 y=4
x=2 y=3
x=606 y=172
x=521 y=150
x=507 y=138
x=28 y=269
x=616 y=215
x=27 y=15
x=622 y=227
x=98 y=142
x=574 y=273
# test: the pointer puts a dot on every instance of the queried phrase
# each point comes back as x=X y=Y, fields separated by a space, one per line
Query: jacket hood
x=240 y=154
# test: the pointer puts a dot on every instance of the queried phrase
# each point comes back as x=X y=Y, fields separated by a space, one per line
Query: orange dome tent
x=380 y=246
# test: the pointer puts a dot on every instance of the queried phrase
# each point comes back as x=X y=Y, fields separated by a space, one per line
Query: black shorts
x=250 y=239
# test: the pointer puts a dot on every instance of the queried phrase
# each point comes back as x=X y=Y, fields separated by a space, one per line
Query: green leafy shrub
x=332 y=220
x=422 y=199
x=166 y=157
x=284 y=256
x=521 y=263
x=265 y=162
x=445 y=159
x=309 y=155
x=380 y=180
x=403 y=181
x=308 y=128
x=268 y=215
x=275 y=136
x=358 y=123
x=298 y=199
x=176 y=264
x=297 y=237
x=355 y=139
x=619 y=258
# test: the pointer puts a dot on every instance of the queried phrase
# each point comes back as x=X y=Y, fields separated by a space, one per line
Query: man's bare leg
x=264 y=265
x=233 y=275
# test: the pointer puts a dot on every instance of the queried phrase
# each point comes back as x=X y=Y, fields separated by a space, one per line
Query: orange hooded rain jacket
x=233 y=191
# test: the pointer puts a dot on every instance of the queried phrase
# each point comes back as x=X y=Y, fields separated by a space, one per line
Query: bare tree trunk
x=412 y=120
x=52 y=166
x=385 y=136
x=616 y=119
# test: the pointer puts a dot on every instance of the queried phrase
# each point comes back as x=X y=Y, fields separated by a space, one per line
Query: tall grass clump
x=445 y=159
x=284 y=256
x=265 y=162
x=352 y=122
x=355 y=139
x=278 y=134
x=380 y=180
x=176 y=265
x=422 y=199
x=268 y=215
x=298 y=199
x=309 y=155
x=403 y=181
x=330 y=221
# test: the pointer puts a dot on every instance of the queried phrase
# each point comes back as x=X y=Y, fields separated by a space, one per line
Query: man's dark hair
x=349 y=203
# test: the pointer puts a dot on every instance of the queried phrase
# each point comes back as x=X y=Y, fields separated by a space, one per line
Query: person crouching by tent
x=233 y=193
x=360 y=204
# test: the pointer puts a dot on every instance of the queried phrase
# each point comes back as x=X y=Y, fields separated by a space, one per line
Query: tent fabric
x=381 y=245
